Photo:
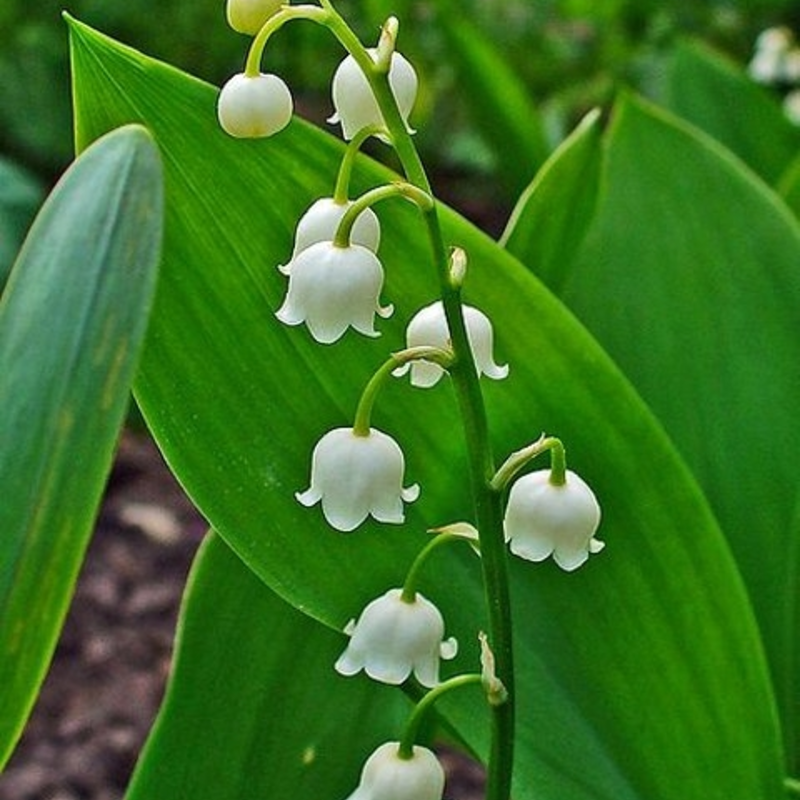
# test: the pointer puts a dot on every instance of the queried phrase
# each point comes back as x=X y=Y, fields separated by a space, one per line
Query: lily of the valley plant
x=335 y=282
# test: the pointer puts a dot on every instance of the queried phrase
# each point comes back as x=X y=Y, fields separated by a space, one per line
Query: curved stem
x=316 y=14
x=368 y=199
x=361 y=423
x=406 y=749
x=519 y=458
x=341 y=192
x=412 y=576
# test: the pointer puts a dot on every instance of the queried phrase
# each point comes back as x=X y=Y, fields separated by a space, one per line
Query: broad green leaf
x=20 y=197
x=689 y=276
x=71 y=323
x=720 y=98
x=291 y=726
x=640 y=675
x=553 y=214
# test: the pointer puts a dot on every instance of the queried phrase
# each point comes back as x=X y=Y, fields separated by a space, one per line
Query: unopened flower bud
x=252 y=107
x=248 y=16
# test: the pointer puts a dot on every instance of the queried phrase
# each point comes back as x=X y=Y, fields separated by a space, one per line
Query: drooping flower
x=544 y=519
x=354 y=102
x=253 y=107
x=357 y=476
x=320 y=222
x=388 y=776
x=394 y=637
x=247 y=16
x=429 y=327
x=332 y=288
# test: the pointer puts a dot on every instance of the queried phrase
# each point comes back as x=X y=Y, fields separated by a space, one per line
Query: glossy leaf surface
x=720 y=98
x=275 y=720
x=71 y=323
x=690 y=278
x=237 y=402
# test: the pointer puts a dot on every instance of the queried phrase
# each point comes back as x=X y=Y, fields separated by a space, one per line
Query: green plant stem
x=275 y=22
x=411 y=732
x=341 y=192
x=361 y=423
x=519 y=458
x=412 y=576
x=368 y=199
x=488 y=508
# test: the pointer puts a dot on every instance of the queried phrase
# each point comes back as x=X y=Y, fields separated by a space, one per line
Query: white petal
x=251 y=107
x=448 y=650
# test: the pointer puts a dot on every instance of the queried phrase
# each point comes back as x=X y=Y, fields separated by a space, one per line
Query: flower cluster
x=776 y=62
x=335 y=283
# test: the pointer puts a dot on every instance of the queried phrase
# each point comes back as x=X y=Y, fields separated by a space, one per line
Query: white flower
x=387 y=776
x=355 y=476
x=354 y=102
x=393 y=637
x=429 y=327
x=251 y=107
x=791 y=106
x=320 y=222
x=332 y=288
x=543 y=519
x=247 y=16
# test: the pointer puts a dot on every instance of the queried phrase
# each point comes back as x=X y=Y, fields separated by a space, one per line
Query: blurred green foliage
x=568 y=55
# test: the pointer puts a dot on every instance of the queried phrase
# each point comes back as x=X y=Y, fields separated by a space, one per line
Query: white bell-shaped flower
x=357 y=476
x=428 y=327
x=354 y=102
x=543 y=519
x=247 y=16
x=394 y=638
x=320 y=222
x=387 y=776
x=332 y=288
x=252 y=107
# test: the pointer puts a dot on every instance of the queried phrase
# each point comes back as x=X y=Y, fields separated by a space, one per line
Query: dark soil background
x=109 y=671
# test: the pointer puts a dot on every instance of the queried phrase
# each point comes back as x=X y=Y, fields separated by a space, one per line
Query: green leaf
x=640 y=675
x=720 y=98
x=789 y=186
x=689 y=277
x=291 y=726
x=20 y=197
x=553 y=214
x=71 y=322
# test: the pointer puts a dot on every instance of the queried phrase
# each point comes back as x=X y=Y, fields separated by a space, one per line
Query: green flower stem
x=368 y=199
x=406 y=749
x=412 y=576
x=519 y=458
x=488 y=508
x=341 y=192
x=275 y=22
x=361 y=424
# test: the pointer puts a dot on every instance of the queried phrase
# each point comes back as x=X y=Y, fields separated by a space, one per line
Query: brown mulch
x=108 y=673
